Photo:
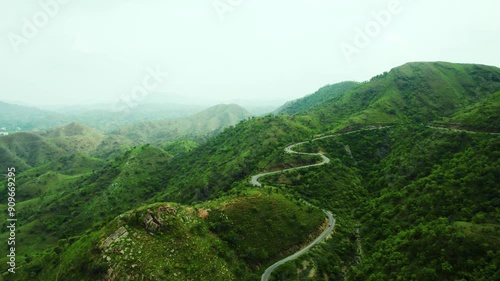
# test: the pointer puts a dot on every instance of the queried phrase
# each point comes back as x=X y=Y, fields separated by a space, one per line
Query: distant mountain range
x=22 y=118
x=30 y=149
x=15 y=118
x=413 y=184
x=211 y=120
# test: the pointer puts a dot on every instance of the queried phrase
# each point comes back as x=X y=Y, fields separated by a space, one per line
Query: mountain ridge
x=420 y=199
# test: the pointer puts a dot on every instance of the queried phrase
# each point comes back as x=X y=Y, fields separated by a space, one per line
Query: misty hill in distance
x=209 y=121
x=23 y=118
x=411 y=201
x=101 y=116
x=29 y=149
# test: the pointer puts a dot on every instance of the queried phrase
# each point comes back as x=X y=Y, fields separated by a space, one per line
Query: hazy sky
x=93 y=51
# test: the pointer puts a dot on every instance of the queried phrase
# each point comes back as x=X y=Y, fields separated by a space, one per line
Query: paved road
x=255 y=179
x=331 y=225
x=462 y=130
x=320 y=238
x=325 y=160
x=289 y=149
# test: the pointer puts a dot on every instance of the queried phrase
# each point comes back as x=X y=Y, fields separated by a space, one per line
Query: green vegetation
x=317 y=99
x=169 y=241
x=430 y=210
x=180 y=147
x=17 y=117
x=242 y=222
x=207 y=122
x=412 y=93
x=412 y=201
x=479 y=116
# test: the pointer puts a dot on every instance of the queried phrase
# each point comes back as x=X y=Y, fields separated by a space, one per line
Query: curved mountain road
x=255 y=179
x=331 y=225
x=320 y=238
x=289 y=149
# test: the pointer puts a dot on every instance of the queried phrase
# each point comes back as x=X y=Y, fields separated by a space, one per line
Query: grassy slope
x=414 y=92
x=231 y=157
x=27 y=150
x=62 y=206
x=317 y=99
x=482 y=115
x=429 y=212
x=227 y=161
x=190 y=244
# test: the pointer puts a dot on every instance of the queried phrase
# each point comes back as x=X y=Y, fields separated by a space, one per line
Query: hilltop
x=411 y=195
x=172 y=241
x=202 y=124
x=17 y=117
x=420 y=92
x=30 y=149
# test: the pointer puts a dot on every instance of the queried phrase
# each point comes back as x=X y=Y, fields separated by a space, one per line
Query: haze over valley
x=249 y=140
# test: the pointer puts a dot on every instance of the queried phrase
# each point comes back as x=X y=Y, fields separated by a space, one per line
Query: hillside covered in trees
x=413 y=183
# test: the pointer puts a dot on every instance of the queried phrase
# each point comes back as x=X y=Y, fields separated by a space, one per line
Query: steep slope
x=26 y=150
x=225 y=161
x=433 y=90
x=482 y=115
x=408 y=199
x=317 y=99
x=414 y=92
x=61 y=206
x=168 y=241
x=429 y=210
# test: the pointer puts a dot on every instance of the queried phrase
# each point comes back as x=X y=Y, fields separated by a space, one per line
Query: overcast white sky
x=93 y=51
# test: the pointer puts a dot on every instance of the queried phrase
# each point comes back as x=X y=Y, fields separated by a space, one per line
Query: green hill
x=76 y=137
x=209 y=121
x=482 y=115
x=169 y=241
x=412 y=201
x=317 y=99
x=32 y=149
x=23 y=118
x=62 y=206
x=424 y=201
x=414 y=92
x=26 y=150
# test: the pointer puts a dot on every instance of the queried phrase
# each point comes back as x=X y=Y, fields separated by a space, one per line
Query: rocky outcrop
x=157 y=219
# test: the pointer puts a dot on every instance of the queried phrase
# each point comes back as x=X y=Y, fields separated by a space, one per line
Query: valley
x=403 y=168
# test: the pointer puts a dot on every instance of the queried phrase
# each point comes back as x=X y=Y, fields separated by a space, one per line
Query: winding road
x=331 y=224
x=289 y=149
x=325 y=160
